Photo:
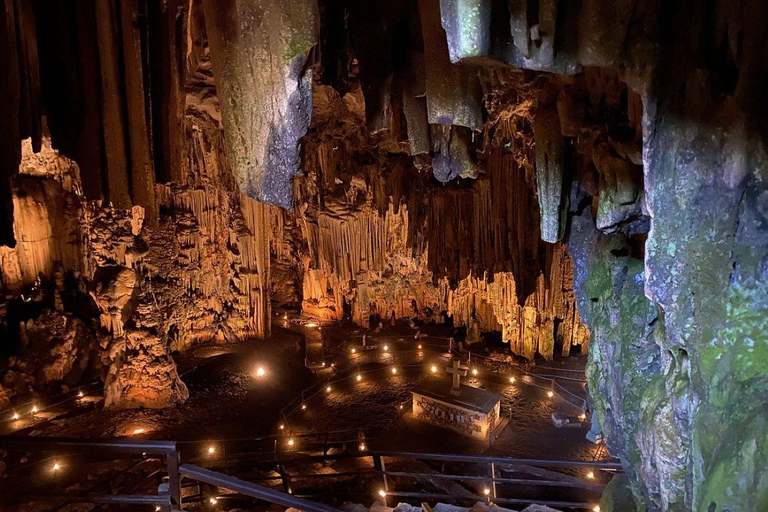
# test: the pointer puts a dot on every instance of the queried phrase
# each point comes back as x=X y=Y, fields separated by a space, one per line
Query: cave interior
x=233 y=224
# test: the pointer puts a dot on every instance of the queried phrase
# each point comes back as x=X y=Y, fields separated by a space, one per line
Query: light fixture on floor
x=359 y=377
x=550 y=394
x=211 y=450
x=433 y=369
x=260 y=371
x=386 y=347
x=591 y=475
x=474 y=372
x=394 y=371
x=511 y=380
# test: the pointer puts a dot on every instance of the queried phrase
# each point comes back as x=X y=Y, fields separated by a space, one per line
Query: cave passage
x=309 y=240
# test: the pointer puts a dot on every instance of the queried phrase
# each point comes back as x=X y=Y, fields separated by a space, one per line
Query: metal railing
x=171 y=500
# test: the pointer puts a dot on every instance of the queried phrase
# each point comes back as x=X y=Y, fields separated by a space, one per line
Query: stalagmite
x=259 y=49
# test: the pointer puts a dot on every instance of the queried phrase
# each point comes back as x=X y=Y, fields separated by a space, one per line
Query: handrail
x=250 y=489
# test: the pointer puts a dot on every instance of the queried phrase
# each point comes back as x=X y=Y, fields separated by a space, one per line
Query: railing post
x=174 y=481
x=286 y=479
x=378 y=466
x=493 y=482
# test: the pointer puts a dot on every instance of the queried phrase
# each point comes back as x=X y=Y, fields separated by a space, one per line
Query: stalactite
x=550 y=160
x=259 y=48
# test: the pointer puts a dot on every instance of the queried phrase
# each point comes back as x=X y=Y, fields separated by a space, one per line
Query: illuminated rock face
x=259 y=50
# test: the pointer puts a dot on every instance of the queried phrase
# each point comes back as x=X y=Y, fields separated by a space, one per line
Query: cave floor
x=228 y=401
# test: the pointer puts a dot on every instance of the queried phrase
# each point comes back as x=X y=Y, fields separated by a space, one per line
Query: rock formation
x=526 y=167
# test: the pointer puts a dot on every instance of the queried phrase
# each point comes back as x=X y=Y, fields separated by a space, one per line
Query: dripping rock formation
x=576 y=176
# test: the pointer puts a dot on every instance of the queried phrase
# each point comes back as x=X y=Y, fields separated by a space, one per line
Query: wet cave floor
x=229 y=401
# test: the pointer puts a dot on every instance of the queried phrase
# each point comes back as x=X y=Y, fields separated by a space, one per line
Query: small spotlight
x=285 y=316
x=311 y=324
x=550 y=394
x=328 y=389
x=157 y=508
x=290 y=442
x=33 y=411
x=419 y=346
x=214 y=500
x=354 y=350
x=359 y=377
x=211 y=450
x=394 y=371
x=582 y=417
x=323 y=364
x=591 y=475
x=474 y=372
x=362 y=447
x=386 y=347
x=511 y=380
x=303 y=407
x=486 y=491
x=138 y=431
x=333 y=365
x=56 y=467
x=80 y=394
x=382 y=493
x=282 y=427
x=260 y=372
x=596 y=508
x=401 y=407
x=15 y=416
x=433 y=369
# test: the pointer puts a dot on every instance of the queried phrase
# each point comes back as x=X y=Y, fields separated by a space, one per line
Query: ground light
x=394 y=371
x=511 y=380
x=362 y=447
x=591 y=475
x=359 y=377
x=474 y=372
x=282 y=427
x=419 y=346
x=260 y=372
x=138 y=431
x=328 y=389
x=56 y=467
x=433 y=369
x=386 y=347
x=382 y=493
x=15 y=416
x=33 y=411
x=303 y=407
x=80 y=394
x=486 y=491
x=290 y=442
x=211 y=450
x=596 y=508
x=550 y=394
x=311 y=324
x=214 y=500
x=582 y=417
x=353 y=350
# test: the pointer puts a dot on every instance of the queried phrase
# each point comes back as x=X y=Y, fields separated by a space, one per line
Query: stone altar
x=469 y=411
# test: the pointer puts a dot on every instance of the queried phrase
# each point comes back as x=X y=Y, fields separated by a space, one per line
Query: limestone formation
x=259 y=49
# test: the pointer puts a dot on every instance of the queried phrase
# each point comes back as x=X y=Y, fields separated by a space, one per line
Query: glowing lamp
x=15 y=416
x=56 y=467
x=157 y=508
x=550 y=394
x=211 y=450
x=394 y=371
x=582 y=417
x=596 y=508
x=328 y=389
x=290 y=442
x=260 y=372
x=382 y=493
x=474 y=372
x=311 y=324
x=354 y=350
x=323 y=364
x=303 y=407
x=285 y=316
x=282 y=427
x=511 y=380
x=138 y=431
x=359 y=377
x=214 y=500
x=486 y=491
x=401 y=407
x=33 y=411
x=591 y=475
x=386 y=347
x=80 y=394
x=362 y=447
x=419 y=346
x=433 y=369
